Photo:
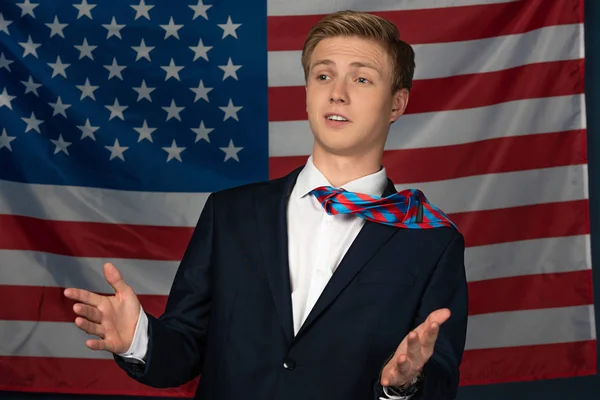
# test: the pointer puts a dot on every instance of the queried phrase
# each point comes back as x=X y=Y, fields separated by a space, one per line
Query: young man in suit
x=323 y=284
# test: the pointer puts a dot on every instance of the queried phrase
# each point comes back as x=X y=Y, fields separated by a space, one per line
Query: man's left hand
x=414 y=351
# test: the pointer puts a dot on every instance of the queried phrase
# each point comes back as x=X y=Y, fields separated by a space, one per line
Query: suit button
x=289 y=364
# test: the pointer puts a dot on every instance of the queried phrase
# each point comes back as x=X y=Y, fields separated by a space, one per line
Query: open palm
x=414 y=351
x=112 y=318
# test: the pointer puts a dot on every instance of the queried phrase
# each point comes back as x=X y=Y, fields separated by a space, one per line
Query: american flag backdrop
x=118 y=118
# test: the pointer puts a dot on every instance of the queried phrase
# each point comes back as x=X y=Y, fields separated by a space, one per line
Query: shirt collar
x=310 y=178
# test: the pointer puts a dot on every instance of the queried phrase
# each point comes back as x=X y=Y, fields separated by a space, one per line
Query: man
x=292 y=289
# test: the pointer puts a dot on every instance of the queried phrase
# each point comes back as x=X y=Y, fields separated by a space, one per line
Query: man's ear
x=399 y=103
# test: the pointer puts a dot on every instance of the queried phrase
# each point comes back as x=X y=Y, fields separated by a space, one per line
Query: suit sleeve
x=177 y=339
x=447 y=288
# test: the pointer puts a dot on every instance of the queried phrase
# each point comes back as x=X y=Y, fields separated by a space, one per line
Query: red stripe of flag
x=528 y=363
x=429 y=164
x=547 y=79
x=47 y=303
x=530 y=292
x=78 y=376
x=91 y=239
x=484 y=21
x=510 y=154
x=537 y=221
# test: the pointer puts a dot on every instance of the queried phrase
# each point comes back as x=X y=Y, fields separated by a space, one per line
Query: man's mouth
x=336 y=117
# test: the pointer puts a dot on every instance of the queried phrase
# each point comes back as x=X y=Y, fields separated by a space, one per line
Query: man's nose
x=339 y=93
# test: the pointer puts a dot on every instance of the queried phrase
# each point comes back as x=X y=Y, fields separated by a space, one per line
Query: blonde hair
x=366 y=26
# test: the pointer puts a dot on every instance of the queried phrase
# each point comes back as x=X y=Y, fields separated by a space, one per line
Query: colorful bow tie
x=405 y=209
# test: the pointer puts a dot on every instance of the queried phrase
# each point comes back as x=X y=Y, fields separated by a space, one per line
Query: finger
x=404 y=367
x=88 y=312
x=90 y=327
x=83 y=296
x=95 y=344
x=430 y=336
x=396 y=372
x=114 y=278
x=414 y=350
x=390 y=373
x=438 y=316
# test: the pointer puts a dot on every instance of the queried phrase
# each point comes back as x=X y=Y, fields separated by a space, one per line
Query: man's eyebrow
x=356 y=64
x=322 y=62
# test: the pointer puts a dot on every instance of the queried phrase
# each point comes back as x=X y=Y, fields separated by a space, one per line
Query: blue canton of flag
x=133 y=95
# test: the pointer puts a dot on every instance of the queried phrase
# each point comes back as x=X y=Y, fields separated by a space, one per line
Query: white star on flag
x=32 y=123
x=116 y=110
x=85 y=50
x=30 y=48
x=4 y=23
x=173 y=111
x=200 y=10
x=143 y=51
x=56 y=28
x=230 y=70
x=116 y=150
x=144 y=91
x=5 y=99
x=27 y=8
x=113 y=28
x=61 y=145
x=171 y=29
x=59 y=68
x=172 y=70
x=87 y=90
x=202 y=132
x=230 y=111
x=59 y=108
x=141 y=10
x=201 y=92
x=115 y=69
x=5 y=63
x=88 y=130
x=229 y=29
x=31 y=86
x=145 y=132
x=201 y=50
x=173 y=151
x=84 y=9
x=5 y=140
x=231 y=151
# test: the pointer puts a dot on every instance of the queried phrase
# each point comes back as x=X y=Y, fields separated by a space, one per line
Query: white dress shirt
x=317 y=242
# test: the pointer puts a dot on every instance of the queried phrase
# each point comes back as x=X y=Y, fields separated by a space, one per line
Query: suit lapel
x=369 y=240
x=271 y=206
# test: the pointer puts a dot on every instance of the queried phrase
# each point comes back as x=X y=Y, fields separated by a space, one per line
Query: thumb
x=114 y=278
x=439 y=316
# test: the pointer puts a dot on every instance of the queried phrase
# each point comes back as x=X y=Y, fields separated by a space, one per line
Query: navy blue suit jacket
x=229 y=313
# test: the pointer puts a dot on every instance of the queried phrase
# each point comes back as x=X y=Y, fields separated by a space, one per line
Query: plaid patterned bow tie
x=406 y=209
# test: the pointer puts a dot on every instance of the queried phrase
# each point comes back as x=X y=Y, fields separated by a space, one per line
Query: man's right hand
x=112 y=318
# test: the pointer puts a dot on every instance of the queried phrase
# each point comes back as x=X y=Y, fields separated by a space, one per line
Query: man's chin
x=336 y=148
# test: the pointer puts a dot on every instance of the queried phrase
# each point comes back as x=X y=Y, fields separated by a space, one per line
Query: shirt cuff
x=389 y=396
x=136 y=353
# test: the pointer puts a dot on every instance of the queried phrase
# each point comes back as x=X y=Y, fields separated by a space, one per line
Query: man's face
x=348 y=96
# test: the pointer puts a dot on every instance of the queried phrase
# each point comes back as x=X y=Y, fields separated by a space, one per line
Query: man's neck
x=340 y=170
